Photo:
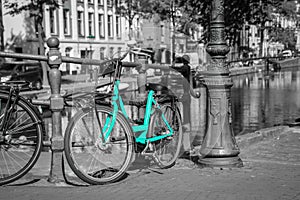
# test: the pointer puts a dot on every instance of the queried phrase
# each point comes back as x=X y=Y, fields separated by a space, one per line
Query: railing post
x=219 y=148
x=56 y=106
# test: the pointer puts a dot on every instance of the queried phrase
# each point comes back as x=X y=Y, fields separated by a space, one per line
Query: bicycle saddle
x=164 y=92
x=156 y=87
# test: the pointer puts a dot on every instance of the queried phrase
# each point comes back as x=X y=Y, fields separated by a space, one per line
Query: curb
x=246 y=140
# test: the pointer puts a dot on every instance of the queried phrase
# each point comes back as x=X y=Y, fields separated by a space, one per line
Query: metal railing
x=56 y=101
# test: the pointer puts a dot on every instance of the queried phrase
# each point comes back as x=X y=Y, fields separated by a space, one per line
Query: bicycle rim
x=167 y=149
x=21 y=145
x=92 y=160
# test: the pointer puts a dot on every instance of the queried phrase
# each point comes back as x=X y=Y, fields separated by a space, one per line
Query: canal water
x=264 y=100
x=258 y=101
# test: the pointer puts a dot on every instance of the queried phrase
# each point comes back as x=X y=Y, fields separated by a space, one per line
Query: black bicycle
x=21 y=132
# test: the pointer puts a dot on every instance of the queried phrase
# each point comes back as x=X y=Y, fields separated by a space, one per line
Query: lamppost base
x=226 y=162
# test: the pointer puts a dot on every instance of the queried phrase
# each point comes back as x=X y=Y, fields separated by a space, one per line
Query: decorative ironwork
x=219 y=148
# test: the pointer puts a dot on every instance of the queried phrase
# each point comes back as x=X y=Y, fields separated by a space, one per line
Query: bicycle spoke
x=167 y=149
x=93 y=160
x=20 y=117
x=21 y=144
x=19 y=128
x=6 y=164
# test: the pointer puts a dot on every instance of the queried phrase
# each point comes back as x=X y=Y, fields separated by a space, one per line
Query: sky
x=12 y=24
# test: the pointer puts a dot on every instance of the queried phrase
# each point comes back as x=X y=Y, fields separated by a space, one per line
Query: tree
x=236 y=13
x=169 y=10
x=262 y=13
x=35 y=8
x=195 y=12
x=188 y=14
x=286 y=36
x=130 y=9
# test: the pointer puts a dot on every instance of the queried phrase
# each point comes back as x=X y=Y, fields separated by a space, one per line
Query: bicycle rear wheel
x=21 y=142
x=92 y=160
x=167 y=149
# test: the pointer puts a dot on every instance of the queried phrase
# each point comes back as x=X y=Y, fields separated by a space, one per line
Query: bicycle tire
x=91 y=162
x=167 y=149
x=21 y=147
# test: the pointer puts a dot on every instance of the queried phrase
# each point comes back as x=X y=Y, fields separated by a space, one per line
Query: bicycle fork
x=110 y=120
x=7 y=115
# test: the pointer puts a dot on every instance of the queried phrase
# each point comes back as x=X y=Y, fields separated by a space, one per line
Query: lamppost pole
x=90 y=71
x=219 y=148
x=1 y=28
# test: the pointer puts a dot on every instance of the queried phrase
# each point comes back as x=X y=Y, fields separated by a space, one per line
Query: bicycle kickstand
x=149 y=151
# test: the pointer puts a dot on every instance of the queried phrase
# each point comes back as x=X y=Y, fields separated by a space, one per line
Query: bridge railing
x=56 y=101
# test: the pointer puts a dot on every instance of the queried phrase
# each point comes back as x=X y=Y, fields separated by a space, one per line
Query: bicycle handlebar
x=140 y=51
x=193 y=93
x=131 y=64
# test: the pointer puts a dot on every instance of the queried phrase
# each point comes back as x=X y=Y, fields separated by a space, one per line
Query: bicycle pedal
x=117 y=139
x=169 y=138
x=147 y=154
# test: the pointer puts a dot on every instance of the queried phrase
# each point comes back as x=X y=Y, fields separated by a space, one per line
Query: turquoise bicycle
x=101 y=141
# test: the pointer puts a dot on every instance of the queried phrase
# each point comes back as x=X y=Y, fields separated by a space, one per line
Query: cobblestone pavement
x=271 y=171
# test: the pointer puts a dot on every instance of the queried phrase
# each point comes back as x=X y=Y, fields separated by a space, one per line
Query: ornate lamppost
x=219 y=148
x=1 y=28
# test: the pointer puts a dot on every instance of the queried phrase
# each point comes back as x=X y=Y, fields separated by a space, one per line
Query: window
x=162 y=30
x=85 y=54
x=91 y=24
x=138 y=29
x=102 y=53
x=119 y=51
x=109 y=3
x=111 y=52
x=67 y=22
x=53 y=21
x=162 y=33
x=67 y=51
x=80 y=23
x=110 y=25
x=181 y=48
x=118 y=3
x=100 y=2
x=101 y=25
x=118 y=26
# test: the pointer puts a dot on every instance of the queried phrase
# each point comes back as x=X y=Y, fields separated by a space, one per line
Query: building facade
x=92 y=29
x=86 y=29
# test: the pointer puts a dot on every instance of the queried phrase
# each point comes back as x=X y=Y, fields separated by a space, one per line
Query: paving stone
x=271 y=171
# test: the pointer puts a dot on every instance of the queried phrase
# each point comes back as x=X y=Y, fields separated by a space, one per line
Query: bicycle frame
x=143 y=129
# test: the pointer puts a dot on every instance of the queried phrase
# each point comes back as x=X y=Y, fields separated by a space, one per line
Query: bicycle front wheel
x=20 y=141
x=167 y=149
x=93 y=160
